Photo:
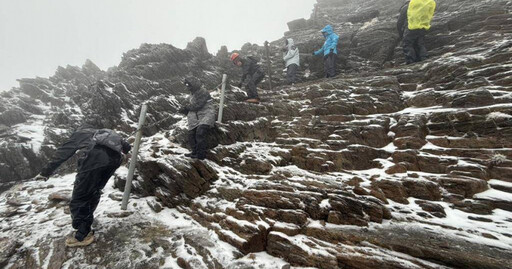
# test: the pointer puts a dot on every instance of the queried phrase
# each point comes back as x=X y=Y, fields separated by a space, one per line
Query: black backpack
x=108 y=138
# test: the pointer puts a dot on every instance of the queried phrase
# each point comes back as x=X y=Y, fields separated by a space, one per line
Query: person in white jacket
x=292 y=59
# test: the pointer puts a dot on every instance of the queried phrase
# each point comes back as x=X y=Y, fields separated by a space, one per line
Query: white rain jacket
x=292 y=56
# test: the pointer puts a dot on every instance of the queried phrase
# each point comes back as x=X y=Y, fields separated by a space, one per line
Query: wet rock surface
x=384 y=166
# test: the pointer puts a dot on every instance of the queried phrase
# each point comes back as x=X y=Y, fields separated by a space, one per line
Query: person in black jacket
x=200 y=112
x=251 y=71
x=402 y=22
x=96 y=164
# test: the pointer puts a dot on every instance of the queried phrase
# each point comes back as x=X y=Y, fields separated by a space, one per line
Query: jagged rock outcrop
x=384 y=166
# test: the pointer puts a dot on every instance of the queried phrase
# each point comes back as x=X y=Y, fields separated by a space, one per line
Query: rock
x=8 y=247
x=422 y=189
x=464 y=186
x=183 y=263
x=396 y=169
x=61 y=196
x=17 y=202
x=254 y=166
x=116 y=196
x=392 y=190
x=62 y=222
x=434 y=209
x=9 y=212
x=154 y=205
x=119 y=214
x=175 y=177
x=480 y=219
x=474 y=98
x=12 y=117
x=298 y=24
x=409 y=142
x=199 y=48
x=283 y=246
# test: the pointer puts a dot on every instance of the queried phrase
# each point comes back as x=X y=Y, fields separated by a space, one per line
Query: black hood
x=193 y=84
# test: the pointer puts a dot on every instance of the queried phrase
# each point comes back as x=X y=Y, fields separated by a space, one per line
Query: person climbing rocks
x=329 y=51
x=402 y=22
x=413 y=23
x=200 y=112
x=251 y=71
x=291 y=58
x=100 y=154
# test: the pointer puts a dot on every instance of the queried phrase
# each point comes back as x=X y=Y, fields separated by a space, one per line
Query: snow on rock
x=384 y=166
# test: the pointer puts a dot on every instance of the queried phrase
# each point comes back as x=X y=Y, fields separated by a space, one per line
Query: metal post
x=269 y=63
x=133 y=161
x=222 y=93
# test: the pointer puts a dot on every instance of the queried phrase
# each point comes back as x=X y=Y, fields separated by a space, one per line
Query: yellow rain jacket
x=420 y=14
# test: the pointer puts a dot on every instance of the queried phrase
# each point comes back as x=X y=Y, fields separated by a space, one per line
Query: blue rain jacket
x=331 y=42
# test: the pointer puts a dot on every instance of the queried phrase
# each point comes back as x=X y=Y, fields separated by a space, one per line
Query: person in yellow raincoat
x=413 y=24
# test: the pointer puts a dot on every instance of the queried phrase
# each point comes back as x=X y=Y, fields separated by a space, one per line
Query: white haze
x=36 y=36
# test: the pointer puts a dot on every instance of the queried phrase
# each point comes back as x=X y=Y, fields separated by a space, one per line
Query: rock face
x=384 y=166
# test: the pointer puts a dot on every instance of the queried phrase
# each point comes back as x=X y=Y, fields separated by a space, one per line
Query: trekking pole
x=222 y=94
x=133 y=161
x=269 y=63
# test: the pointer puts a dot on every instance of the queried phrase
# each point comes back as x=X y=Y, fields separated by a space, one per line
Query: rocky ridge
x=386 y=166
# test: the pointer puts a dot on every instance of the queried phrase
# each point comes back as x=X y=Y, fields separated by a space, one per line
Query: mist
x=37 y=36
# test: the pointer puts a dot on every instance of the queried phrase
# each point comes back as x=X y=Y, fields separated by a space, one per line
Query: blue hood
x=328 y=29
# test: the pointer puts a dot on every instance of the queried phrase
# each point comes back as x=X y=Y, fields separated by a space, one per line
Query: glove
x=313 y=53
x=40 y=178
x=331 y=52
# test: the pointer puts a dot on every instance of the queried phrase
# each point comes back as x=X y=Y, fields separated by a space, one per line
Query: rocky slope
x=386 y=166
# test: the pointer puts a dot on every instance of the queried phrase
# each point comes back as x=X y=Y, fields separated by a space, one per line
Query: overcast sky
x=36 y=36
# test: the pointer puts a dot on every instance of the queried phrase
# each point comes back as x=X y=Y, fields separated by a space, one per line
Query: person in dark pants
x=252 y=71
x=413 y=24
x=100 y=155
x=329 y=51
x=200 y=112
x=291 y=57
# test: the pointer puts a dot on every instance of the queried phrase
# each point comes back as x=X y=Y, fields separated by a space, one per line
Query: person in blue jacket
x=329 y=51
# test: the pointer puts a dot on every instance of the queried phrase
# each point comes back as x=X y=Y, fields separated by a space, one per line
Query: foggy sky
x=36 y=36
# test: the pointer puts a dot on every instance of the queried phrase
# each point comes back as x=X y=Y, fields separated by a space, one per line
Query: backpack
x=108 y=138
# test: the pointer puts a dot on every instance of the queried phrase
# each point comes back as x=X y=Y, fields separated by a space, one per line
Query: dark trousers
x=86 y=196
x=330 y=65
x=291 y=73
x=414 y=46
x=254 y=80
x=197 y=140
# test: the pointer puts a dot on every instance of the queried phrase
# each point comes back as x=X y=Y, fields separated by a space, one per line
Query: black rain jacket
x=91 y=157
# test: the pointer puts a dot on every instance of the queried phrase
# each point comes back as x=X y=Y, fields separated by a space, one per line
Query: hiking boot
x=72 y=242
x=253 y=101
x=191 y=155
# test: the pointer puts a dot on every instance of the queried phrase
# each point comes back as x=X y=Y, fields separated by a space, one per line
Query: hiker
x=413 y=24
x=329 y=51
x=100 y=154
x=292 y=60
x=200 y=112
x=251 y=71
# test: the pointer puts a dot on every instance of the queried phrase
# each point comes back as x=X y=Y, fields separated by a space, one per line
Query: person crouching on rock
x=100 y=154
x=200 y=112
x=413 y=24
x=252 y=71
x=291 y=57
x=329 y=51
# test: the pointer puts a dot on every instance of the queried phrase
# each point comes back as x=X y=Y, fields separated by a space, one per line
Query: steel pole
x=269 y=64
x=222 y=97
x=133 y=161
